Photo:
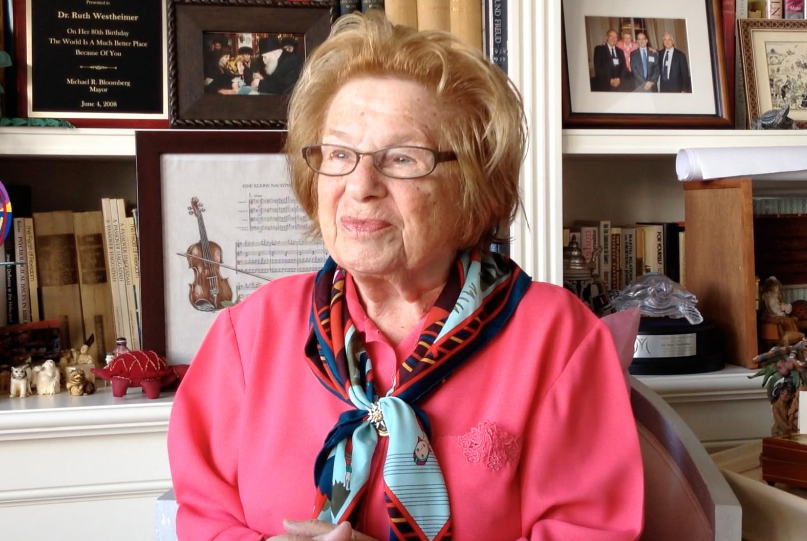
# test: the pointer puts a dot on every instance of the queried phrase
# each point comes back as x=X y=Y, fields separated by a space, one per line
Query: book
x=57 y=266
x=112 y=266
x=94 y=285
x=794 y=9
x=604 y=262
x=404 y=12
x=590 y=241
x=641 y=261
x=349 y=6
x=629 y=263
x=774 y=9
x=10 y=274
x=121 y=262
x=654 y=247
x=617 y=256
x=496 y=32
x=33 y=282
x=367 y=5
x=131 y=278
x=465 y=21
x=21 y=272
x=3 y=298
x=434 y=15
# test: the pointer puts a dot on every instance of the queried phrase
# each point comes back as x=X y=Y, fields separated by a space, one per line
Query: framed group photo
x=644 y=64
x=774 y=54
x=233 y=64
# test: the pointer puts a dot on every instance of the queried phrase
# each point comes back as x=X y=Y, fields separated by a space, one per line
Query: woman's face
x=378 y=226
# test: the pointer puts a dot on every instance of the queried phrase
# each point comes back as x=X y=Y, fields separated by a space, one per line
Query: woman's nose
x=365 y=181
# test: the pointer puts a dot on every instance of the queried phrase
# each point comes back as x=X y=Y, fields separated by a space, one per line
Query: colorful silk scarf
x=481 y=294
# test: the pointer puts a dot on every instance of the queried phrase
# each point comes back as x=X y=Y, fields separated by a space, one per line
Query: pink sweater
x=535 y=435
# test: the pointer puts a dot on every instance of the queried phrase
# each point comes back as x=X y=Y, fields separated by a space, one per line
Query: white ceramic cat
x=20 y=384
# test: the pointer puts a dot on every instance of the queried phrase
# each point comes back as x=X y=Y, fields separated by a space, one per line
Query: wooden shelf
x=77 y=142
x=669 y=142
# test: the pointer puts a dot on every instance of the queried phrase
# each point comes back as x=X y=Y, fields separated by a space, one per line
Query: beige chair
x=686 y=496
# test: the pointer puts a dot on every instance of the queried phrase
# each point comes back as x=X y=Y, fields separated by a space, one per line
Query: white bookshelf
x=66 y=142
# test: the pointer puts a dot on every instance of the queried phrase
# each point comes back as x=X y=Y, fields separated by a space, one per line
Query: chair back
x=686 y=496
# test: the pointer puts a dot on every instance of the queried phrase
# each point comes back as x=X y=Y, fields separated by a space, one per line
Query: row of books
x=481 y=23
x=81 y=268
x=622 y=253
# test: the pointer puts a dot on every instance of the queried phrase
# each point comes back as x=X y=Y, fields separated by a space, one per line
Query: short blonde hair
x=482 y=121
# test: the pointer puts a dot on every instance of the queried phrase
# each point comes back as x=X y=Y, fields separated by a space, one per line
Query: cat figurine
x=20 y=381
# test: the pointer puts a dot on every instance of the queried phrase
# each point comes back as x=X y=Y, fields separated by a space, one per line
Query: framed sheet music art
x=217 y=219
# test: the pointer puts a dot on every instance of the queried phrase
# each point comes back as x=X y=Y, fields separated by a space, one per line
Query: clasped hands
x=316 y=530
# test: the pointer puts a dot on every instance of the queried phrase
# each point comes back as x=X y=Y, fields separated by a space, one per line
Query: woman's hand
x=307 y=530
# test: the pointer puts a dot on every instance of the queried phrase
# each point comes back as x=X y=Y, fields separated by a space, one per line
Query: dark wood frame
x=17 y=79
x=746 y=28
x=150 y=148
x=188 y=105
x=723 y=118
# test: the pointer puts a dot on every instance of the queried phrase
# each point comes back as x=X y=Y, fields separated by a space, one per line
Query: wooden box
x=720 y=230
x=784 y=460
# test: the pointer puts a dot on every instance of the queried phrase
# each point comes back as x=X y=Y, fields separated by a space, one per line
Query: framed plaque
x=94 y=62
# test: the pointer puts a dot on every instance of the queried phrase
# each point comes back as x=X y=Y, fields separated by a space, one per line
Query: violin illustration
x=209 y=290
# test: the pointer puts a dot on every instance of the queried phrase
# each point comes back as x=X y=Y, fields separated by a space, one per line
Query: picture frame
x=769 y=74
x=99 y=66
x=250 y=88
x=248 y=216
x=691 y=93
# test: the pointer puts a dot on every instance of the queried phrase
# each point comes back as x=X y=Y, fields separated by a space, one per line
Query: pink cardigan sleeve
x=583 y=478
x=203 y=442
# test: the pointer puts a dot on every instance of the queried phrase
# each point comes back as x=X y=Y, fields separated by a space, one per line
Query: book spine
x=134 y=268
x=605 y=253
x=629 y=262
x=367 y=5
x=496 y=32
x=616 y=258
x=641 y=260
x=349 y=6
x=465 y=19
x=24 y=306
x=590 y=238
x=4 y=303
x=774 y=9
x=96 y=294
x=33 y=282
x=126 y=271
x=434 y=15
x=794 y=9
x=12 y=313
x=403 y=12
x=109 y=250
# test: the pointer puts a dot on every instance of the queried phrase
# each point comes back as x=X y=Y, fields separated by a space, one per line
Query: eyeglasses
x=395 y=162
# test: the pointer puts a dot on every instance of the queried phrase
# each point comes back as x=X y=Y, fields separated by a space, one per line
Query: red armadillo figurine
x=146 y=369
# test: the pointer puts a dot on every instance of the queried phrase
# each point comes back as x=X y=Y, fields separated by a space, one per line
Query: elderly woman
x=418 y=386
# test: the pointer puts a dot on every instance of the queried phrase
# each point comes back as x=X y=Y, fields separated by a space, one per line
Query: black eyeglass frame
x=439 y=157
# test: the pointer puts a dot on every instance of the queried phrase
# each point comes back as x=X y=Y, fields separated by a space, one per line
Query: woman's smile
x=363 y=225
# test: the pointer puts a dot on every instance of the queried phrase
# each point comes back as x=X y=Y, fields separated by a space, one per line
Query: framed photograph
x=644 y=64
x=217 y=219
x=94 y=64
x=775 y=66
x=232 y=64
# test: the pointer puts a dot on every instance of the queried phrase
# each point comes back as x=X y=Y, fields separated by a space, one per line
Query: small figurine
x=775 y=119
x=776 y=324
x=47 y=378
x=784 y=419
x=20 y=382
x=120 y=346
x=657 y=295
x=77 y=383
x=146 y=369
x=86 y=362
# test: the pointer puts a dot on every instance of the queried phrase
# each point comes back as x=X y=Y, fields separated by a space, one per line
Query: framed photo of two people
x=644 y=64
